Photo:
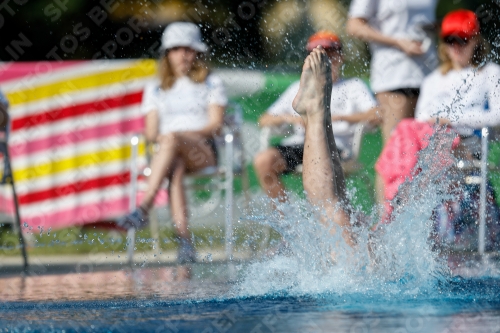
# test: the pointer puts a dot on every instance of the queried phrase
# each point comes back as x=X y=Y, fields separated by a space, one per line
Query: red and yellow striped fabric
x=71 y=124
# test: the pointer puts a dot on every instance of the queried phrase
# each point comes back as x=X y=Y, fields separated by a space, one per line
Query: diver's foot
x=313 y=98
x=137 y=219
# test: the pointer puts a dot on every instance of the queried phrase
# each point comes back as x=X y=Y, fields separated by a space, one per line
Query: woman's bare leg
x=395 y=107
x=322 y=174
x=178 y=206
x=160 y=167
x=192 y=149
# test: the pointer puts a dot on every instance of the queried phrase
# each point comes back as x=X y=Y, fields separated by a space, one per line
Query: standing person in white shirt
x=183 y=111
x=402 y=54
x=351 y=102
x=463 y=93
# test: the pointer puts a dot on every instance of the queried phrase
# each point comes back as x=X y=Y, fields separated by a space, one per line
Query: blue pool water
x=206 y=300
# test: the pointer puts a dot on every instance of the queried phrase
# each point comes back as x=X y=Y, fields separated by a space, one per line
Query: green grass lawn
x=87 y=240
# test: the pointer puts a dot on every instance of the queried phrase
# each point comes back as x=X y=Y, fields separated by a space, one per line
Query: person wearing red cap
x=351 y=101
x=463 y=91
x=402 y=54
x=462 y=94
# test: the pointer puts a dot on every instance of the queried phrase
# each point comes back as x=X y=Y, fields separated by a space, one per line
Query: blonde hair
x=198 y=72
x=480 y=55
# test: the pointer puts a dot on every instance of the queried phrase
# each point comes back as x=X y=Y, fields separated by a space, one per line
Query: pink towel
x=400 y=155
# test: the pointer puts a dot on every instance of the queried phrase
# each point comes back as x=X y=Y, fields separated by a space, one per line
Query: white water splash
x=405 y=259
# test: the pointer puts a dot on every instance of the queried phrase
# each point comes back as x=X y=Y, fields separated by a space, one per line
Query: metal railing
x=482 y=195
x=484 y=168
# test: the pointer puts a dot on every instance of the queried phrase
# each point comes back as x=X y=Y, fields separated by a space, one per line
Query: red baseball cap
x=461 y=23
x=327 y=39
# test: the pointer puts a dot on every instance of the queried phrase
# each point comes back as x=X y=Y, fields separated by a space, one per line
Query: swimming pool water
x=204 y=298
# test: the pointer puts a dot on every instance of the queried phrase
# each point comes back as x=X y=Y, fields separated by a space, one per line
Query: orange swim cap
x=327 y=39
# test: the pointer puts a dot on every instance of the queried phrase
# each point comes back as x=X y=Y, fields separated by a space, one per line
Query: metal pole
x=133 y=194
x=482 y=196
x=244 y=172
x=229 y=195
x=10 y=179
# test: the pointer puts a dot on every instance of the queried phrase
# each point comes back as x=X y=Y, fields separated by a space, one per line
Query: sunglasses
x=337 y=50
x=452 y=40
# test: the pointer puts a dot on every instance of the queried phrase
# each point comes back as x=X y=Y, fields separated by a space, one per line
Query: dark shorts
x=293 y=156
x=408 y=92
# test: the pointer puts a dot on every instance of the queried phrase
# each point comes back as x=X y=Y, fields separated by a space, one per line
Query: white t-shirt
x=183 y=107
x=348 y=97
x=468 y=98
x=391 y=68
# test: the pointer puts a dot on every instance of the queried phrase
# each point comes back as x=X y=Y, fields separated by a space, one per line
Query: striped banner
x=70 y=141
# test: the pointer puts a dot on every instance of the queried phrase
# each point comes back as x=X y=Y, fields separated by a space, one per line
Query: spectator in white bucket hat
x=183 y=34
x=183 y=109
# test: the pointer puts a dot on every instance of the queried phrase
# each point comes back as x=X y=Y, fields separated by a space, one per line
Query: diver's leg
x=322 y=174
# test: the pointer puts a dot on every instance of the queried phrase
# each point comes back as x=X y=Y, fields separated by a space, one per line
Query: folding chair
x=230 y=144
x=8 y=179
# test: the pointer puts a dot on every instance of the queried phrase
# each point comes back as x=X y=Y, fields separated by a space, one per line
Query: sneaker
x=137 y=219
x=187 y=253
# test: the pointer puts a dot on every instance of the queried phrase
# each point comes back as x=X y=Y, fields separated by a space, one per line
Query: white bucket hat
x=182 y=34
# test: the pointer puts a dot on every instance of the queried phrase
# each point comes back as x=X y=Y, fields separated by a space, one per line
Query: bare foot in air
x=312 y=99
